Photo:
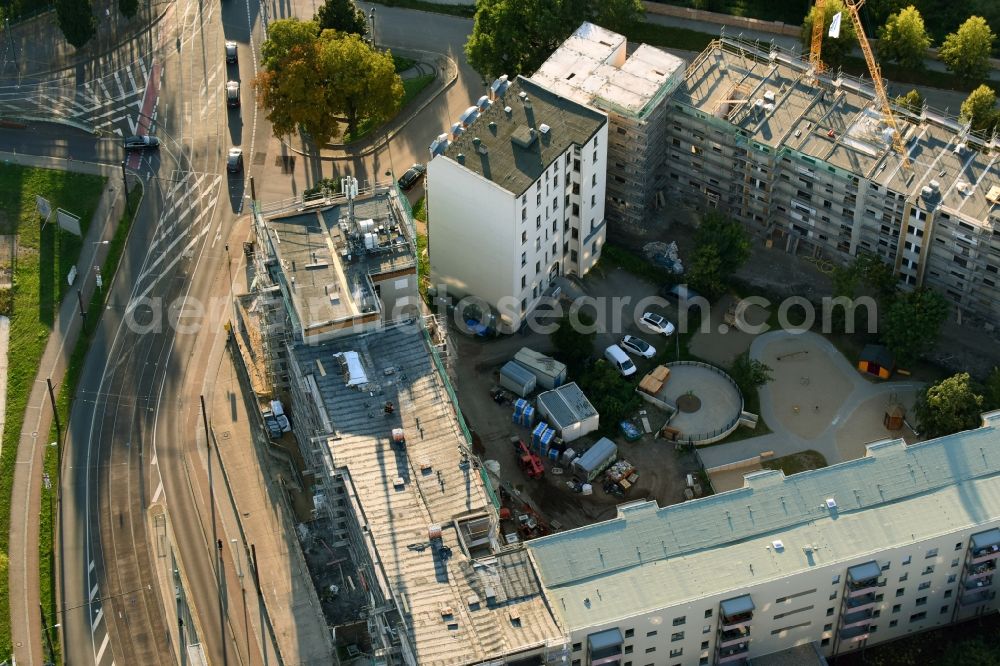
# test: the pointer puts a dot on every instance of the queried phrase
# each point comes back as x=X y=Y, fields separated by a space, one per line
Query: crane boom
x=853 y=6
x=816 y=51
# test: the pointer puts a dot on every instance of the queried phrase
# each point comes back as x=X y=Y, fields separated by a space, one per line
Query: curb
x=451 y=76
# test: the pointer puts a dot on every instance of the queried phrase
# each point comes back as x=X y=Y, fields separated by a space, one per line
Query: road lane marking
x=159 y=491
x=93 y=591
x=140 y=297
x=92 y=566
x=104 y=646
x=97 y=619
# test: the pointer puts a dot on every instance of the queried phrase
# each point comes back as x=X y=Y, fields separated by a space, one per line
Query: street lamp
x=371 y=17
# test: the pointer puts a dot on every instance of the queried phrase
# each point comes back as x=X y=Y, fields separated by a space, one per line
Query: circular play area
x=707 y=401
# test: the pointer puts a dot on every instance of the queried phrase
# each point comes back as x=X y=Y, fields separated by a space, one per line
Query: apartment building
x=516 y=195
x=823 y=562
x=594 y=67
x=418 y=517
x=808 y=163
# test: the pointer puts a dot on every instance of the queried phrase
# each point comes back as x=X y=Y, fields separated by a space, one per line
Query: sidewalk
x=267 y=521
x=23 y=572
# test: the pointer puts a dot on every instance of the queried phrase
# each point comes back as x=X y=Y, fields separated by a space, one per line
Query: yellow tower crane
x=816 y=51
x=853 y=8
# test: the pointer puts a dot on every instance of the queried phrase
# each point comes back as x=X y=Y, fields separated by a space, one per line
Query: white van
x=618 y=358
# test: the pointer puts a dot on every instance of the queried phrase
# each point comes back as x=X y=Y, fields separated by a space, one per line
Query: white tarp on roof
x=354 y=371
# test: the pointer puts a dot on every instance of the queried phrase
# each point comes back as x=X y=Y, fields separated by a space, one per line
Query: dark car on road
x=141 y=143
x=412 y=175
x=231 y=52
x=232 y=93
x=234 y=162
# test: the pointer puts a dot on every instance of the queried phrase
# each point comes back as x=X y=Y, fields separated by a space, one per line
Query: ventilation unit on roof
x=778 y=545
x=993 y=196
x=934 y=185
x=831 y=503
x=507 y=110
x=769 y=96
x=523 y=95
x=544 y=129
x=958 y=149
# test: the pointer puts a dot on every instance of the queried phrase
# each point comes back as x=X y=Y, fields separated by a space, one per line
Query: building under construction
x=334 y=266
x=808 y=162
x=594 y=67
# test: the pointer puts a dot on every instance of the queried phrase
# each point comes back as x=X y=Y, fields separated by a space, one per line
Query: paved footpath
x=23 y=571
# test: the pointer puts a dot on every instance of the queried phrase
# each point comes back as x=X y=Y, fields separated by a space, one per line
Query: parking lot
x=662 y=469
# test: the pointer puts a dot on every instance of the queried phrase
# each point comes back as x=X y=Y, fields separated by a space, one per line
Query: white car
x=638 y=346
x=657 y=323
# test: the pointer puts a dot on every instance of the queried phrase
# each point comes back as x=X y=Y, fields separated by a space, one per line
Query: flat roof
x=566 y=404
x=399 y=500
x=508 y=153
x=660 y=557
x=592 y=67
x=326 y=257
x=773 y=98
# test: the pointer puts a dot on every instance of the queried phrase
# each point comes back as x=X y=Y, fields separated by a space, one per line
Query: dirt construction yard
x=475 y=364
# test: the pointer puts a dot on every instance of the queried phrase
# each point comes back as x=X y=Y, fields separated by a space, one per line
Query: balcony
x=980 y=596
x=862 y=579
x=861 y=588
x=736 y=613
x=734 y=637
x=854 y=633
x=981 y=570
x=858 y=619
x=735 y=653
x=985 y=546
x=985 y=554
x=860 y=602
x=978 y=583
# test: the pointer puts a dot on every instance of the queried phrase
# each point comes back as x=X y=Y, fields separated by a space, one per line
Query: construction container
x=548 y=372
x=569 y=411
x=595 y=460
x=517 y=379
x=536 y=434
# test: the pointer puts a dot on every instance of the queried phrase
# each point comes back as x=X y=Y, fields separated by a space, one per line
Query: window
x=929 y=569
x=524 y=214
x=538 y=198
x=678 y=636
x=931 y=553
x=958 y=546
x=954 y=562
x=907 y=560
x=629 y=633
x=893 y=623
x=703 y=661
x=704 y=645
x=576 y=662
x=921 y=601
x=825 y=642
x=595 y=156
x=904 y=577
x=524 y=237
x=836 y=579
x=900 y=592
x=833 y=596
x=593 y=180
x=827 y=627
x=628 y=649
x=650 y=650
x=524 y=281
x=650 y=634
x=593 y=200
x=524 y=259
x=707 y=629
x=879 y=598
x=555 y=179
x=577 y=647
x=924 y=585
x=952 y=578
x=917 y=617
x=708 y=613
x=676 y=653
x=829 y=612
x=944 y=609
x=947 y=594
x=593 y=248
x=885 y=567
x=678 y=621
x=538 y=267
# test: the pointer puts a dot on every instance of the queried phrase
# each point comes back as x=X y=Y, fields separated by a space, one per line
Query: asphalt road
x=136 y=436
x=136 y=439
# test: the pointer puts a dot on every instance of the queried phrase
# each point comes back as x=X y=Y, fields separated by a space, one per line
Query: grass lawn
x=796 y=462
x=411 y=88
x=46 y=541
x=44 y=258
x=402 y=63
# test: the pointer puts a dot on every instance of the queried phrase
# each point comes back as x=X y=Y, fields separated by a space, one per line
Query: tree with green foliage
x=834 y=49
x=912 y=324
x=309 y=77
x=363 y=79
x=877 y=276
x=979 y=109
x=76 y=20
x=750 y=374
x=612 y=395
x=904 y=39
x=967 y=51
x=342 y=16
x=573 y=339
x=991 y=390
x=977 y=651
x=516 y=36
x=128 y=8
x=728 y=236
x=704 y=272
x=912 y=101
x=949 y=406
